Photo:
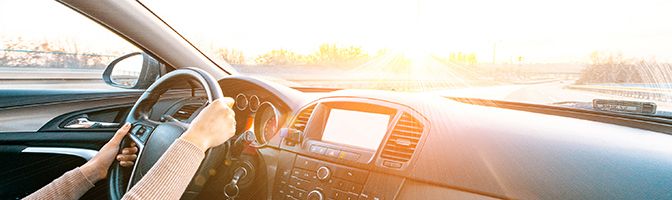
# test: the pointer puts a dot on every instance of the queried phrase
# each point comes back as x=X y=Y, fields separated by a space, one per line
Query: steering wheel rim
x=152 y=146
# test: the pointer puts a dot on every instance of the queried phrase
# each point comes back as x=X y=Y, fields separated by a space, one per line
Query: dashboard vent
x=403 y=140
x=302 y=119
x=186 y=111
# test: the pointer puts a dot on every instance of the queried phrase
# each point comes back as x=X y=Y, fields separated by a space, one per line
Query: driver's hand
x=96 y=168
x=213 y=126
x=128 y=155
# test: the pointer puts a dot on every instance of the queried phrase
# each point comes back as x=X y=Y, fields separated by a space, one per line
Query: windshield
x=542 y=52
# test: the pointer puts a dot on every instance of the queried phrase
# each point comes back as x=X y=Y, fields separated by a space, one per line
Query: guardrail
x=655 y=94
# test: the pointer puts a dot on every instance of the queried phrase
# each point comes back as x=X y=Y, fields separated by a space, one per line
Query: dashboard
x=360 y=144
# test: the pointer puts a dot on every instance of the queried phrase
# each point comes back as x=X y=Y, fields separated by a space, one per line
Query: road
x=537 y=93
x=542 y=93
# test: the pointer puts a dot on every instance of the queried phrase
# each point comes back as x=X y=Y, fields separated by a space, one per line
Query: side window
x=46 y=45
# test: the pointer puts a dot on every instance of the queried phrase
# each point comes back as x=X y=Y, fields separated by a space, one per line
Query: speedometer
x=265 y=123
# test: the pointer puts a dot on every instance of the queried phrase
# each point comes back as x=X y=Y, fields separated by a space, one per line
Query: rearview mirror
x=132 y=71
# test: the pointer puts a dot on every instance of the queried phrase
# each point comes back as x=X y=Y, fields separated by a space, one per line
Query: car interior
x=322 y=143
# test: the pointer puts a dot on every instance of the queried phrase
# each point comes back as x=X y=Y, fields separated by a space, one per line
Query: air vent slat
x=416 y=133
x=409 y=127
x=186 y=111
x=403 y=140
x=399 y=136
x=302 y=118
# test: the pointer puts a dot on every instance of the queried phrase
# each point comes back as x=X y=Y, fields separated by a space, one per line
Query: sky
x=539 y=31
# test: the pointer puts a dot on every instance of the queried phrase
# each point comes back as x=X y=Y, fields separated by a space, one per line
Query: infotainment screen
x=355 y=128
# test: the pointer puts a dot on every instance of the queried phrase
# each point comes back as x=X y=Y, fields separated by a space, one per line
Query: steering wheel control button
x=315 y=195
x=323 y=173
x=318 y=149
x=333 y=152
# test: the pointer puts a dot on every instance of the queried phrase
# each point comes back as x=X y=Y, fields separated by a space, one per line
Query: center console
x=346 y=148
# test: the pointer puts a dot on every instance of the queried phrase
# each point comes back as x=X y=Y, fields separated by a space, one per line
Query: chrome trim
x=253 y=105
x=141 y=147
x=260 y=136
x=137 y=141
x=86 y=154
x=240 y=100
x=84 y=123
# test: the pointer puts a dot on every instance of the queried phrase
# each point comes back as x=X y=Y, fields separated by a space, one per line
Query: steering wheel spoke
x=154 y=137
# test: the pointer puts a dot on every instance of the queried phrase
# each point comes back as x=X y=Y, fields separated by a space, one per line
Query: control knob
x=315 y=195
x=323 y=173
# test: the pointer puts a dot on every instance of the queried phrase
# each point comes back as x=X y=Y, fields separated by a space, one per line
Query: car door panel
x=25 y=172
x=35 y=146
x=29 y=110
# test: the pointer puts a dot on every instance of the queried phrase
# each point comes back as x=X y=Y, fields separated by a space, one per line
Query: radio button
x=350 y=174
x=300 y=184
x=306 y=163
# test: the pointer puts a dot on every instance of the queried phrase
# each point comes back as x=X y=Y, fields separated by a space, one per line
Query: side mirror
x=132 y=71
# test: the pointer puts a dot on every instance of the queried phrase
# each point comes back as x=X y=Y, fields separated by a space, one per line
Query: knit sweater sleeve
x=171 y=174
x=71 y=185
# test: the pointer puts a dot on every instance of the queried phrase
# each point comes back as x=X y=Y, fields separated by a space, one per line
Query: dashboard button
x=347 y=196
x=299 y=194
x=297 y=172
x=351 y=174
x=318 y=149
x=339 y=184
x=300 y=184
x=306 y=163
x=333 y=153
x=285 y=174
x=348 y=156
x=391 y=164
x=353 y=187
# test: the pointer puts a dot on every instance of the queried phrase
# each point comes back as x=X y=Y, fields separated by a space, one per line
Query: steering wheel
x=154 y=137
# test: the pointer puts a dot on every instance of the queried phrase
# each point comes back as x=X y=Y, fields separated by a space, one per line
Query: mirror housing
x=133 y=71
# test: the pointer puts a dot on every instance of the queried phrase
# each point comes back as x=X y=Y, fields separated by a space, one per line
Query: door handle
x=85 y=123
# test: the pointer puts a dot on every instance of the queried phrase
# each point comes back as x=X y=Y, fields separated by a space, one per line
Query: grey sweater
x=167 y=179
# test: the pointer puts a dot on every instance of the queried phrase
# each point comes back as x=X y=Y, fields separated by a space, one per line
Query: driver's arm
x=171 y=174
x=169 y=177
x=74 y=183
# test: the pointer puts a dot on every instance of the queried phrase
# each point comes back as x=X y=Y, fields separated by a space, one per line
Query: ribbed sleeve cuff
x=79 y=175
x=171 y=175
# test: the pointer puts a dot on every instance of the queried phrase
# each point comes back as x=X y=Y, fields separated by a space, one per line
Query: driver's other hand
x=128 y=155
x=96 y=168
x=213 y=126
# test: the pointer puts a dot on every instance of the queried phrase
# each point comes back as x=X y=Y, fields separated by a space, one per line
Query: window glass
x=46 y=45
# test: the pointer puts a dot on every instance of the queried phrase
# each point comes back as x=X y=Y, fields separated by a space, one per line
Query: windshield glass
x=543 y=52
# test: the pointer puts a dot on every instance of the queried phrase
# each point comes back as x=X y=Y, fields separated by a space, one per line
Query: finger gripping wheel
x=151 y=147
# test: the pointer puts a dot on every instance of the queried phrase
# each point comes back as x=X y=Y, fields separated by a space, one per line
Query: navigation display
x=360 y=129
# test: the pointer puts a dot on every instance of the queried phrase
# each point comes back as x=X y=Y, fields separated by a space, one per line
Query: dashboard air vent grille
x=302 y=119
x=186 y=111
x=403 y=140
